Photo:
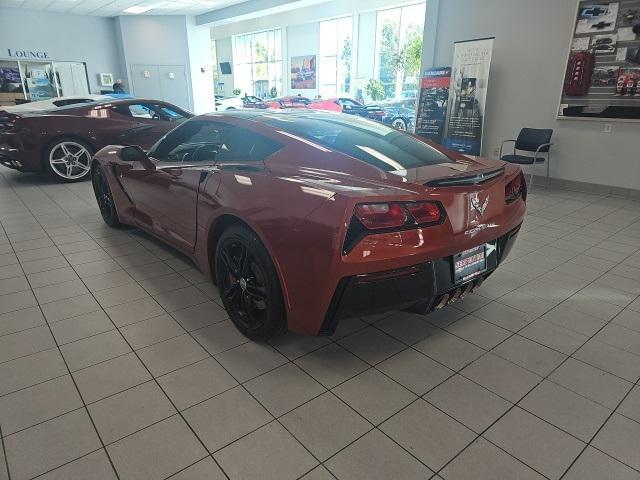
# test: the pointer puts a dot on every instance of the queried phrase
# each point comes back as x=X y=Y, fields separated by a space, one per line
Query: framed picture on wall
x=303 y=72
x=106 y=79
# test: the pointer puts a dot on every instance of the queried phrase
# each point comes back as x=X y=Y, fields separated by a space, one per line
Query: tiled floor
x=116 y=361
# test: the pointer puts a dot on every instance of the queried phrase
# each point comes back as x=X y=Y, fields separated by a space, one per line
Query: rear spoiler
x=476 y=179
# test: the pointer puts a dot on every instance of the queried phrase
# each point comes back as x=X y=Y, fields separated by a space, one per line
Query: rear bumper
x=424 y=287
x=13 y=157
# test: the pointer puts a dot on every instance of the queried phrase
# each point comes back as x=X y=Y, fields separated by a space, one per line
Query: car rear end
x=406 y=224
x=423 y=252
x=12 y=142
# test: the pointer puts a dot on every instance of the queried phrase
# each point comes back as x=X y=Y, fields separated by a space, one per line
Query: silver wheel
x=69 y=160
x=399 y=124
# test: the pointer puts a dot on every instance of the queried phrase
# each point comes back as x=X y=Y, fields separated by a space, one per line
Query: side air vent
x=468 y=180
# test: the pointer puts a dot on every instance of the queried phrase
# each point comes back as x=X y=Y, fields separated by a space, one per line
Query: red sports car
x=291 y=101
x=62 y=141
x=304 y=218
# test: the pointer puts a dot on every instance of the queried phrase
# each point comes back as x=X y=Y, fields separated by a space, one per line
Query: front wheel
x=399 y=124
x=248 y=284
x=68 y=159
x=104 y=197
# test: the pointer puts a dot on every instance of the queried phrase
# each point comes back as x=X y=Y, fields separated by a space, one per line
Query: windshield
x=370 y=142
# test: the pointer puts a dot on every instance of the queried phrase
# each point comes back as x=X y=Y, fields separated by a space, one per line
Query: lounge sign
x=28 y=54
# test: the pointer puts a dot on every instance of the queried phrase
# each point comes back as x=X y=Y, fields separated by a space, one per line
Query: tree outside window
x=336 y=46
x=399 y=35
x=257 y=60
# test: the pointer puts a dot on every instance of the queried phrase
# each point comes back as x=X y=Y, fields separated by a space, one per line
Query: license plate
x=469 y=264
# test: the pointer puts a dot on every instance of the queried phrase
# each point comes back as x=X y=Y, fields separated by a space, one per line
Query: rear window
x=370 y=142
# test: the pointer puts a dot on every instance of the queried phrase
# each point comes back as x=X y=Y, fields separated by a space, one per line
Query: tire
x=248 y=284
x=399 y=123
x=68 y=159
x=104 y=197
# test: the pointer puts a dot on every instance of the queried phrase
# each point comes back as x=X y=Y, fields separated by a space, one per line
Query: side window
x=139 y=110
x=172 y=114
x=202 y=141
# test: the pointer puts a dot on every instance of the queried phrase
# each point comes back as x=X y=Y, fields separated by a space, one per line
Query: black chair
x=533 y=141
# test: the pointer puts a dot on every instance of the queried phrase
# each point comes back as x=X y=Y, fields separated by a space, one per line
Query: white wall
x=527 y=71
x=153 y=40
x=65 y=37
x=199 y=43
x=170 y=40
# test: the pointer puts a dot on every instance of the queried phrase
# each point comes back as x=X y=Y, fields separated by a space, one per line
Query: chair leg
x=548 y=161
x=533 y=171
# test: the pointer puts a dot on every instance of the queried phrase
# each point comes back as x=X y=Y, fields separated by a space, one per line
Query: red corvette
x=304 y=218
x=63 y=140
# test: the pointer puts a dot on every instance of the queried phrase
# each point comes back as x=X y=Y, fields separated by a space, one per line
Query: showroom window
x=336 y=47
x=398 y=51
x=257 y=59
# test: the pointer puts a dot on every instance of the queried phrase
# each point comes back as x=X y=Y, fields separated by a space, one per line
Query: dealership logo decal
x=477 y=205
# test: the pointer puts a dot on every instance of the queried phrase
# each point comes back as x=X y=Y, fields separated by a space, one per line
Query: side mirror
x=135 y=154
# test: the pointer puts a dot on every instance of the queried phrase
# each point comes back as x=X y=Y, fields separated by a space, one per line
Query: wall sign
x=432 y=107
x=28 y=54
x=468 y=95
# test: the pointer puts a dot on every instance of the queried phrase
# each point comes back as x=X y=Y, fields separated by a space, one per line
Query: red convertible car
x=62 y=141
x=304 y=218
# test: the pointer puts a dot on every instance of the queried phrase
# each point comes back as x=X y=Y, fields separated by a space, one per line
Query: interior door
x=145 y=81
x=173 y=85
x=72 y=78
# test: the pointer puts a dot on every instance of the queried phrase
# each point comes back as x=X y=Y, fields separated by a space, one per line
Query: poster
x=432 y=106
x=468 y=95
x=597 y=18
x=303 y=72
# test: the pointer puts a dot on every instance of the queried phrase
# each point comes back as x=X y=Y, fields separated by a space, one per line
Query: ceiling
x=110 y=8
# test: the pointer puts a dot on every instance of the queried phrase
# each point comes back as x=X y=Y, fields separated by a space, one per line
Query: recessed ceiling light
x=136 y=10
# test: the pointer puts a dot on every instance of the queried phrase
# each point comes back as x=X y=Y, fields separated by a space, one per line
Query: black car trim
x=423 y=285
x=477 y=179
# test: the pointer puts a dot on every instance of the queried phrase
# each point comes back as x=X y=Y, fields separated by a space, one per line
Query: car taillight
x=378 y=216
x=369 y=218
x=515 y=188
x=381 y=216
x=425 y=213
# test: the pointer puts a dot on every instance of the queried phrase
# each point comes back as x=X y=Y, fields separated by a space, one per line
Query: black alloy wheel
x=104 y=197
x=248 y=284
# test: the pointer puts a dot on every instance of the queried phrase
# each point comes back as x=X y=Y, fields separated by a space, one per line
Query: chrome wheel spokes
x=70 y=160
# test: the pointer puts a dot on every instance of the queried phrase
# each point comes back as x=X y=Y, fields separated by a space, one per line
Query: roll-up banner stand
x=468 y=95
x=432 y=107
